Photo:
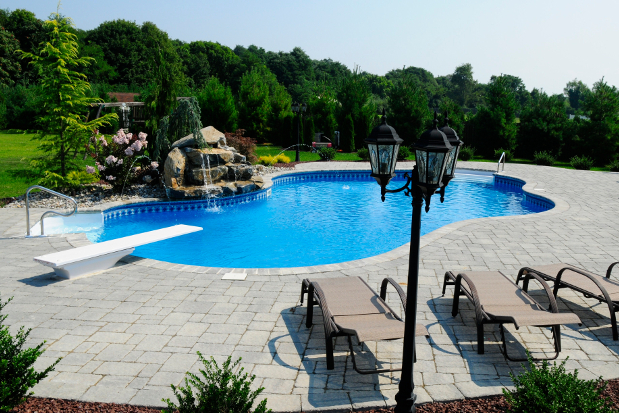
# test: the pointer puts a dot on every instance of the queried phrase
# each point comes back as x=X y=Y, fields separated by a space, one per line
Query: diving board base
x=90 y=266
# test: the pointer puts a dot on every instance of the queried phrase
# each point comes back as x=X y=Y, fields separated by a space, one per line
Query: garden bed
x=485 y=404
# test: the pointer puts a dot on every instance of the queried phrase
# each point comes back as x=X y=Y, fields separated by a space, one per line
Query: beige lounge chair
x=589 y=284
x=352 y=308
x=498 y=300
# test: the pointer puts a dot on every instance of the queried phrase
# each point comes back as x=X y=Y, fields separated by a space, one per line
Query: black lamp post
x=431 y=153
x=298 y=108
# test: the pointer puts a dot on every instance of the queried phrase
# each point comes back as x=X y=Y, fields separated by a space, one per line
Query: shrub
x=553 y=390
x=581 y=162
x=72 y=181
x=327 y=154
x=508 y=154
x=17 y=376
x=218 y=390
x=614 y=166
x=544 y=158
x=466 y=153
x=244 y=144
x=281 y=158
x=117 y=160
x=364 y=154
x=266 y=160
x=404 y=153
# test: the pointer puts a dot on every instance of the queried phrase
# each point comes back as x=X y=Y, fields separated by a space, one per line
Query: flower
x=137 y=146
x=110 y=160
x=154 y=165
x=118 y=140
x=142 y=136
x=90 y=169
x=120 y=162
x=103 y=141
x=100 y=167
x=129 y=136
x=129 y=151
x=110 y=178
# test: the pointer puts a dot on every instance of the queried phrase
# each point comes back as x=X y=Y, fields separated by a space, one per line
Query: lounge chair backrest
x=495 y=290
x=351 y=296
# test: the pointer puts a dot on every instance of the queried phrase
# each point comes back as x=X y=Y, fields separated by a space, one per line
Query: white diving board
x=104 y=255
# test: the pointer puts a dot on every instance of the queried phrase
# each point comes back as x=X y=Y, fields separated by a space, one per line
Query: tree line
x=253 y=89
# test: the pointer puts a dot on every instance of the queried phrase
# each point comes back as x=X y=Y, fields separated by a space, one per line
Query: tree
x=217 y=106
x=496 y=122
x=323 y=107
x=463 y=84
x=10 y=69
x=576 y=92
x=543 y=124
x=408 y=109
x=280 y=116
x=29 y=32
x=517 y=86
x=455 y=113
x=64 y=130
x=601 y=132
x=354 y=97
x=254 y=105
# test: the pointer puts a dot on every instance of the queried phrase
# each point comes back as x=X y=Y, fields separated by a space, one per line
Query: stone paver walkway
x=125 y=335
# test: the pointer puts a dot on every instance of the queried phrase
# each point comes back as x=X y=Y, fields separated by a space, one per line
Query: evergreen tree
x=217 y=106
x=64 y=130
x=408 y=109
x=323 y=107
x=254 y=105
x=354 y=97
x=455 y=113
x=496 y=122
x=10 y=69
x=543 y=123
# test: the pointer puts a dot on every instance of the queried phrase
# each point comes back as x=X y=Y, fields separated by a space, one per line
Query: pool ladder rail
x=501 y=160
x=67 y=214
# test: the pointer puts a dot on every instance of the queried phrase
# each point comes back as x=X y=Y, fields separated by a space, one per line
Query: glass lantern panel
x=420 y=157
x=435 y=167
x=394 y=157
x=450 y=163
x=373 y=158
x=385 y=155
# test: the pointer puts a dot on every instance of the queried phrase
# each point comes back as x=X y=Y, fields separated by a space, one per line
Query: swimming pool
x=308 y=219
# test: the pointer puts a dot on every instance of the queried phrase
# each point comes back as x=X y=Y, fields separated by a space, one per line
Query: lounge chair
x=352 y=308
x=590 y=285
x=498 y=300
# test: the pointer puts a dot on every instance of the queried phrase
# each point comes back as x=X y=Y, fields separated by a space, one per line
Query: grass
x=16 y=152
x=272 y=150
x=558 y=164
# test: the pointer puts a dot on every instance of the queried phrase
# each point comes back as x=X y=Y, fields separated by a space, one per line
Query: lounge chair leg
x=613 y=322
x=330 y=361
x=456 y=303
x=445 y=279
x=303 y=291
x=480 y=338
x=309 y=320
x=557 y=336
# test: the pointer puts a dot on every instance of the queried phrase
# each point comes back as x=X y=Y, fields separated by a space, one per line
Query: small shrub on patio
x=364 y=154
x=403 y=153
x=508 y=154
x=544 y=158
x=244 y=144
x=553 y=390
x=581 y=162
x=466 y=153
x=219 y=390
x=327 y=154
x=614 y=166
x=17 y=375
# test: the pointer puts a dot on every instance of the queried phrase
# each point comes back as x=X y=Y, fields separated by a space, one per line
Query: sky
x=546 y=43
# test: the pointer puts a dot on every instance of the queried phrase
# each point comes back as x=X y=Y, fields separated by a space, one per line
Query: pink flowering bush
x=121 y=158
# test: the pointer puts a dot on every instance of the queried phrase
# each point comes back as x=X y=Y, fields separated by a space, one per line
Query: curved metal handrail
x=498 y=166
x=46 y=212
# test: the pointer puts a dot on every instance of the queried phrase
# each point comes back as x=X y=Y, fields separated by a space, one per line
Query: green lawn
x=272 y=150
x=16 y=175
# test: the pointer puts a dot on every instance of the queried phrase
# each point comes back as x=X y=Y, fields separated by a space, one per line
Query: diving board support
x=93 y=258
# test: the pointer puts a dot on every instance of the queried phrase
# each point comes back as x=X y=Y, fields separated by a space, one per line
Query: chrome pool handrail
x=498 y=166
x=46 y=212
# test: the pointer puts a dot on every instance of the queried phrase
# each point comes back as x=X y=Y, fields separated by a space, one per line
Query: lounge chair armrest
x=398 y=288
x=592 y=278
x=610 y=268
x=553 y=302
x=479 y=315
x=330 y=327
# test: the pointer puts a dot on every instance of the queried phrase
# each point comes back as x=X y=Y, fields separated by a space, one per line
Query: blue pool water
x=311 y=220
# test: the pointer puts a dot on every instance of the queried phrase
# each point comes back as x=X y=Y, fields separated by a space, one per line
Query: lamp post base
x=405 y=404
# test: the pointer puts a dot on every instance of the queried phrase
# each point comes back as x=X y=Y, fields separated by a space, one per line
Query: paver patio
x=126 y=334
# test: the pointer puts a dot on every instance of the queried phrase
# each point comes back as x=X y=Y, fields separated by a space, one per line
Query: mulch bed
x=487 y=404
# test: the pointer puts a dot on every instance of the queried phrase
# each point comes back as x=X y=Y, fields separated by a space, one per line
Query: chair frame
x=613 y=306
x=315 y=296
x=482 y=318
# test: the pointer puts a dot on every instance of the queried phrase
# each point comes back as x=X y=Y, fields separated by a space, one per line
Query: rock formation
x=216 y=171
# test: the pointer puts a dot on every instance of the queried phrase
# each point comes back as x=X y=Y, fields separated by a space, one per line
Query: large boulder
x=174 y=169
x=215 y=156
x=212 y=136
x=239 y=172
x=196 y=175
